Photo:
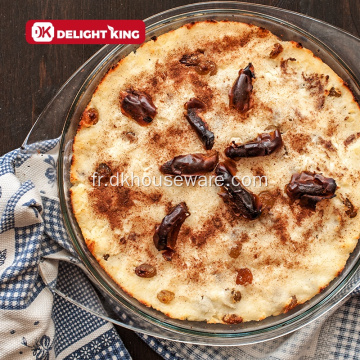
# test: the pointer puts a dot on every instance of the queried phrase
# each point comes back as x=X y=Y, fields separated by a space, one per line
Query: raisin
x=165 y=296
x=244 y=277
x=90 y=117
x=267 y=200
x=145 y=271
x=235 y=295
x=232 y=319
x=104 y=172
x=206 y=67
x=351 y=212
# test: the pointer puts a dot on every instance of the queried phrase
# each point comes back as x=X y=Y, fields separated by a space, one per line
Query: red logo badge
x=85 y=32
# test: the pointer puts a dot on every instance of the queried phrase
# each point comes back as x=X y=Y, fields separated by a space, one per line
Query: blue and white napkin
x=35 y=250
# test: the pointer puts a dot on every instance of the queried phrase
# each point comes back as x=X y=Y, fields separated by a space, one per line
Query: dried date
x=193 y=109
x=166 y=233
x=264 y=144
x=138 y=106
x=310 y=188
x=190 y=165
x=242 y=201
x=240 y=95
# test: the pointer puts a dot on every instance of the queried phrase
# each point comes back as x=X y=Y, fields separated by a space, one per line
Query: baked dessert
x=228 y=100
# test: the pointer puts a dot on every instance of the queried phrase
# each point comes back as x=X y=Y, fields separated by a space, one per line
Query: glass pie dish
x=64 y=111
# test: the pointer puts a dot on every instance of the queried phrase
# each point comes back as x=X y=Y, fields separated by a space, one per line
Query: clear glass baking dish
x=335 y=47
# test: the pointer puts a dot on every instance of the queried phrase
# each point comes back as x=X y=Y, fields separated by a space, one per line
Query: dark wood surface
x=31 y=74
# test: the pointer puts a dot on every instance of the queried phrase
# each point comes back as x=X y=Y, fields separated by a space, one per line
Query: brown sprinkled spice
x=281 y=228
x=199 y=62
x=244 y=277
x=310 y=188
x=130 y=136
x=165 y=296
x=155 y=197
x=315 y=84
x=106 y=256
x=89 y=117
x=138 y=106
x=114 y=202
x=208 y=233
x=194 y=107
x=190 y=165
x=335 y=93
x=262 y=32
x=284 y=64
x=145 y=271
x=132 y=236
x=232 y=319
x=264 y=144
x=351 y=138
x=351 y=212
x=235 y=251
x=299 y=142
x=328 y=145
x=278 y=48
x=240 y=95
x=167 y=232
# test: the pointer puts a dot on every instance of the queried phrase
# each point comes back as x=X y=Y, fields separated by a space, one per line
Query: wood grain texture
x=31 y=74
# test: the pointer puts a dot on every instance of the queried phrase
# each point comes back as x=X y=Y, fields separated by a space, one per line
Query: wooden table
x=32 y=74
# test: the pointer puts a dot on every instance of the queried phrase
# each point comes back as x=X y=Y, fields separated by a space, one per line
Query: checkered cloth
x=36 y=255
x=34 y=251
